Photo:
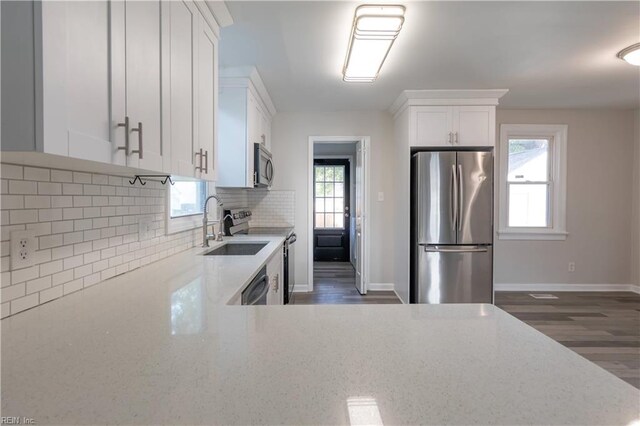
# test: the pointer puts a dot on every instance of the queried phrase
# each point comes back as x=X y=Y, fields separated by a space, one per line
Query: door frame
x=365 y=142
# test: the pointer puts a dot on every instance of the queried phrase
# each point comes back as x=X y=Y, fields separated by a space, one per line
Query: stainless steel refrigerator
x=452 y=227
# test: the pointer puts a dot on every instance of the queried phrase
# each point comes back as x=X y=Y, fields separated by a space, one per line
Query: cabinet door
x=474 y=125
x=143 y=93
x=253 y=133
x=76 y=79
x=207 y=98
x=432 y=126
x=182 y=29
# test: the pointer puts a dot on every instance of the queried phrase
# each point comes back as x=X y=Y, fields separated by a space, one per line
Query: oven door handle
x=264 y=292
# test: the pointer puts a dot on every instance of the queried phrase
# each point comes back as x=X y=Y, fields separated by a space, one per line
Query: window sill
x=553 y=235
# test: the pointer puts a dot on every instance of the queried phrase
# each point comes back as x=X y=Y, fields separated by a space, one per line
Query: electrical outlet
x=572 y=266
x=145 y=228
x=23 y=249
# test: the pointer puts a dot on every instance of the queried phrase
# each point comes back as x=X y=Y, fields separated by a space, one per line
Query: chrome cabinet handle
x=450 y=138
x=264 y=139
x=139 y=150
x=206 y=161
x=455 y=138
x=199 y=166
x=126 y=135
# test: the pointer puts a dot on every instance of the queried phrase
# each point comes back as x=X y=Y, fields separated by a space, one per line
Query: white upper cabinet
x=128 y=83
x=56 y=77
x=245 y=111
x=137 y=95
x=207 y=102
x=449 y=118
x=453 y=125
x=432 y=125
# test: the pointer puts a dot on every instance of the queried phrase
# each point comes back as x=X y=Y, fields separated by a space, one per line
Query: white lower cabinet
x=274 y=273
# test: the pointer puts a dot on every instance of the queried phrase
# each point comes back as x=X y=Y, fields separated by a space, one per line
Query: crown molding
x=446 y=97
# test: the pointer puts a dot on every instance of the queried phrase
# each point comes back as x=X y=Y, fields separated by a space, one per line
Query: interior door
x=475 y=194
x=143 y=77
x=358 y=211
x=331 y=210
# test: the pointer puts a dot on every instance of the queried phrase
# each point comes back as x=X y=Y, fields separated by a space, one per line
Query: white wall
x=289 y=146
x=599 y=204
x=635 y=251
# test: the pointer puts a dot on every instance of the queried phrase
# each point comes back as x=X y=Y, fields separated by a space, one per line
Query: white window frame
x=184 y=223
x=557 y=230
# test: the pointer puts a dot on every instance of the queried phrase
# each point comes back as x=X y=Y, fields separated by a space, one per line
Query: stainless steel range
x=237 y=223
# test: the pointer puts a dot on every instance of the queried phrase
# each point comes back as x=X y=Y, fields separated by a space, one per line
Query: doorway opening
x=337 y=224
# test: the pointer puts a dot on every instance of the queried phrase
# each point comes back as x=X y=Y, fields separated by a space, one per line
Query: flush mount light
x=631 y=54
x=375 y=27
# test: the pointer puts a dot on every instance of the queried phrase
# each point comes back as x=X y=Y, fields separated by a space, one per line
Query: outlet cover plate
x=24 y=246
x=145 y=228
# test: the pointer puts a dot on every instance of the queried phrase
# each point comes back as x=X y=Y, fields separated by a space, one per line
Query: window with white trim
x=185 y=204
x=532 y=192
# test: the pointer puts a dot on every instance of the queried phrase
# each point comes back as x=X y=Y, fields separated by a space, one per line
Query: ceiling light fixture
x=375 y=28
x=631 y=54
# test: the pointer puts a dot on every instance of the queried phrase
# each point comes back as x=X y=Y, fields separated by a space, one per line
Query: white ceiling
x=549 y=54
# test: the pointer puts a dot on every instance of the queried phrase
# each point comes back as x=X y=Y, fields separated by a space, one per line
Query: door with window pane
x=331 y=215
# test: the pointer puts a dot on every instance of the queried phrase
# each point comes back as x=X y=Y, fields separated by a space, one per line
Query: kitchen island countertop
x=160 y=345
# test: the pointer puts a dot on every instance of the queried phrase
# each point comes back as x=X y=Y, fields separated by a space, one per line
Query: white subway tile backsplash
x=61 y=176
x=39 y=284
x=87 y=229
x=35 y=173
x=11 y=171
x=22 y=187
x=49 y=188
x=23 y=303
x=12 y=202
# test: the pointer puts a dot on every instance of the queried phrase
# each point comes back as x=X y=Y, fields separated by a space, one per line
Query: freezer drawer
x=454 y=274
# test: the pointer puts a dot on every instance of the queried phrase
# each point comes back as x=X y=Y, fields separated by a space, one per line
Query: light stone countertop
x=159 y=345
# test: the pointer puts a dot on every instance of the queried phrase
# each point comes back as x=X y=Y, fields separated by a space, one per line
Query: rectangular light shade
x=374 y=30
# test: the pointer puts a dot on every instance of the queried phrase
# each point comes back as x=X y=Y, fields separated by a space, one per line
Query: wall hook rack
x=163 y=181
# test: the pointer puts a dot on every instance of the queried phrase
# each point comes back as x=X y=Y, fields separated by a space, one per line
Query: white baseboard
x=380 y=287
x=566 y=287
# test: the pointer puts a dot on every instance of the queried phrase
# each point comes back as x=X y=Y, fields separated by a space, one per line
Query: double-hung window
x=532 y=182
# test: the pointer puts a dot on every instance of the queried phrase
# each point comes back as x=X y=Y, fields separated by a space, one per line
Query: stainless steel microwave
x=262 y=167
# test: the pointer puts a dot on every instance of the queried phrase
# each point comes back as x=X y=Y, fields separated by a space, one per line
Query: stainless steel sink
x=237 y=249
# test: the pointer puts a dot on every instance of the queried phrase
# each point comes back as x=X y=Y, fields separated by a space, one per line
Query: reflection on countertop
x=161 y=345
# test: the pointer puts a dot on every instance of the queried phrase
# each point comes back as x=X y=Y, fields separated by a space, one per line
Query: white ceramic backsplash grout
x=87 y=231
x=270 y=208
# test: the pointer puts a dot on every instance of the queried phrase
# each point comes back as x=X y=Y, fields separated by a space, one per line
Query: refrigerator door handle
x=454 y=197
x=429 y=248
x=460 y=198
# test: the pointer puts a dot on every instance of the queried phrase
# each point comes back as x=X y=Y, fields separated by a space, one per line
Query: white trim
x=184 y=223
x=558 y=215
x=249 y=77
x=380 y=287
x=445 y=97
x=533 y=287
x=365 y=141
x=220 y=12
x=301 y=288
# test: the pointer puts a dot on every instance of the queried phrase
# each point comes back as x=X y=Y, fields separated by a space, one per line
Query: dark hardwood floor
x=334 y=283
x=603 y=327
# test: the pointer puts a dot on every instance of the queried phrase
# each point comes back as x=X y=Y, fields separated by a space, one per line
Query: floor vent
x=543 y=296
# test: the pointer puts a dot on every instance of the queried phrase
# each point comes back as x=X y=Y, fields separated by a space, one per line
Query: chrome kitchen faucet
x=205 y=222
